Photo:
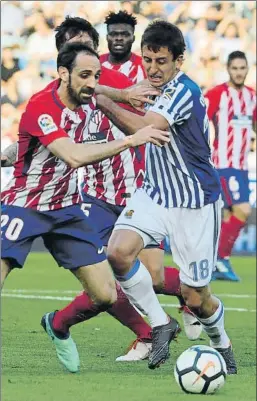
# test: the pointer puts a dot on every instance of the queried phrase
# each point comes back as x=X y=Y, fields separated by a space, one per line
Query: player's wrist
x=128 y=141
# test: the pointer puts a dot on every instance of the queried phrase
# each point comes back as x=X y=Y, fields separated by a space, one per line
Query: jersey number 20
x=14 y=227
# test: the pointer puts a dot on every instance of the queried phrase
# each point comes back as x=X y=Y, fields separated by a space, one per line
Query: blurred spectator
x=9 y=64
x=212 y=29
x=12 y=18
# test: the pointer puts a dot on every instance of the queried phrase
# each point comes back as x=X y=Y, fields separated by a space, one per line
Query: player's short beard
x=238 y=86
x=73 y=95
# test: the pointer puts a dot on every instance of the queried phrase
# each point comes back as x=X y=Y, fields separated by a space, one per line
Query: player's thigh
x=20 y=226
x=235 y=186
x=98 y=282
x=153 y=260
x=102 y=216
x=73 y=242
x=194 y=236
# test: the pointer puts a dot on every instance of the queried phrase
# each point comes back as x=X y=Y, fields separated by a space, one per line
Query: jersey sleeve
x=175 y=104
x=42 y=122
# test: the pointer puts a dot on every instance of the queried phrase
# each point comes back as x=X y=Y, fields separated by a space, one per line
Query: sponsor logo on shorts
x=47 y=124
x=100 y=250
x=129 y=214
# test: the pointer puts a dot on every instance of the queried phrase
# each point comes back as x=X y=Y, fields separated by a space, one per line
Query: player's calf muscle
x=199 y=300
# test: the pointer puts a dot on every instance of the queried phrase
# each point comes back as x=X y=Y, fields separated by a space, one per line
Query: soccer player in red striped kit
x=232 y=109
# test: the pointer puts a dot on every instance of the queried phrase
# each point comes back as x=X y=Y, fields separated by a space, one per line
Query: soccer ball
x=200 y=370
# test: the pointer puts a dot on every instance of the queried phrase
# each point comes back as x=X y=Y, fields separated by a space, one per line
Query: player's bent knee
x=119 y=257
x=242 y=210
x=105 y=297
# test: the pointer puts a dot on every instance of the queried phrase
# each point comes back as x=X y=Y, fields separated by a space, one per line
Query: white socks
x=138 y=286
x=214 y=328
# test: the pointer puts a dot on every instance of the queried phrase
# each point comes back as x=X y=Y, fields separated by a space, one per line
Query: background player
x=42 y=199
x=232 y=110
x=180 y=196
x=120 y=38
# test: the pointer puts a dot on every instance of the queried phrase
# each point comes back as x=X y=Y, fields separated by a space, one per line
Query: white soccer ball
x=200 y=370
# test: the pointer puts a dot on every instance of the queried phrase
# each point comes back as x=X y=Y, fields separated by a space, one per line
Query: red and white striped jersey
x=132 y=68
x=113 y=180
x=232 y=113
x=42 y=181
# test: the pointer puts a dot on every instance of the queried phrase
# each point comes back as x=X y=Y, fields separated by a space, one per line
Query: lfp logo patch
x=47 y=124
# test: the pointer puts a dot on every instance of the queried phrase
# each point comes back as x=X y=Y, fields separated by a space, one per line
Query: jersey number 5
x=14 y=227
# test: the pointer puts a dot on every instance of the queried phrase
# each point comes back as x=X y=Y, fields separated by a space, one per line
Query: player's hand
x=138 y=95
x=4 y=160
x=150 y=134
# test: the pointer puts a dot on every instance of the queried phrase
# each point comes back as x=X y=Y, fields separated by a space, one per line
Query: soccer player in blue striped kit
x=180 y=197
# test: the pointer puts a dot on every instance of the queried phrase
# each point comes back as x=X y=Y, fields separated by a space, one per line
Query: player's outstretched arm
x=126 y=121
x=8 y=156
x=78 y=155
x=136 y=95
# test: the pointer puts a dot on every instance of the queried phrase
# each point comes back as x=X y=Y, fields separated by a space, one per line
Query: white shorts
x=193 y=234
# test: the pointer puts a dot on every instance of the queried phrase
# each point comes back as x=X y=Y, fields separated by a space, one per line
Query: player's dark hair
x=161 y=33
x=68 y=53
x=122 y=17
x=236 y=54
x=73 y=26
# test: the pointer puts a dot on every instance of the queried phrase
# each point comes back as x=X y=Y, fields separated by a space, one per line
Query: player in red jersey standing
x=232 y=109
x=120 y=38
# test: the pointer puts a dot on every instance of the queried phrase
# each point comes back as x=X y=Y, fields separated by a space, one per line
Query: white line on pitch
x=49 y=297
x=28 y=291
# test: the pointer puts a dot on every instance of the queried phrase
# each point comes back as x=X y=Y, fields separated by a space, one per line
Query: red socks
x=79 y=310
x=171 y=281
x=125 y=313
x=171 y=285
x=229 y=232
x=82 y=308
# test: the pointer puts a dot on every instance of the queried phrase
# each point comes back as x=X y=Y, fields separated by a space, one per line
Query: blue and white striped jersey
x=181 y=174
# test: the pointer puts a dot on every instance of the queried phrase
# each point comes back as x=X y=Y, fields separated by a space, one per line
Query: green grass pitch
x=31 y=371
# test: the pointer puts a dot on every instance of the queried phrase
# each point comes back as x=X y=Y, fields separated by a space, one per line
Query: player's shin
x=214 y=327
x=126 y=314
x=209 y=311
x=137 y=285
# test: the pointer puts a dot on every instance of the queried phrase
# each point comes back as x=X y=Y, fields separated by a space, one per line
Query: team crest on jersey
x=129 y=213
x=168 y=93
x=46 y=123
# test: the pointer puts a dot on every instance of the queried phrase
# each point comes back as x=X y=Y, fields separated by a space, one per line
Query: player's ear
x=63 y=74
x=179 y=61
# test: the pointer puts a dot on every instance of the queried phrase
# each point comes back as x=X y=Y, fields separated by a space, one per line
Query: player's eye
x=147 y=60
x=161 y=62
x=84 y=76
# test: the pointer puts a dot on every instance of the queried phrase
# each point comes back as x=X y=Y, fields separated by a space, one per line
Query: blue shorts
x=235 y=186
x=103 y=216
x=67 y=234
